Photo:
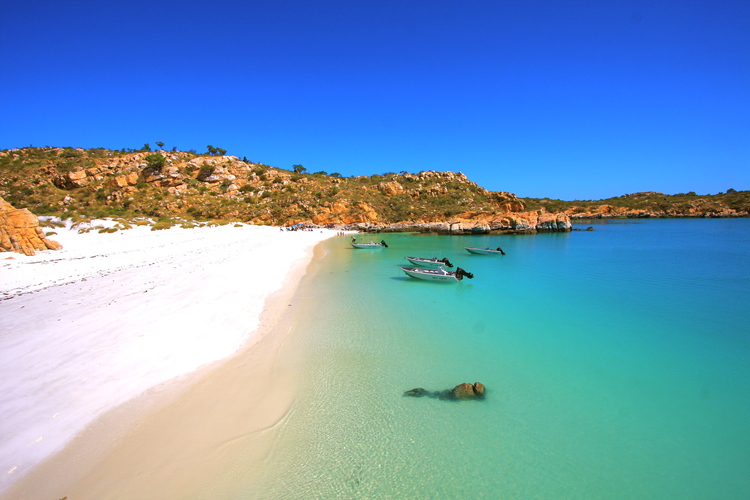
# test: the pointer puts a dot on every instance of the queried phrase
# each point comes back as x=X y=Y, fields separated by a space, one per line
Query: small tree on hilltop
x=216 y=151
x=298 y=169
x=160 y=144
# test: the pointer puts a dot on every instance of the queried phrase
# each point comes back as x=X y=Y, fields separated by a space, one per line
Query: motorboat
x=485 y=251
x=431 y=263
x=439 y=274
x=371 y=244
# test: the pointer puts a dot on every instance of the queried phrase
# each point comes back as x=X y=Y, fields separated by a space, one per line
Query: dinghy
x=371 y=244
x=439 y=274
x=485 y=251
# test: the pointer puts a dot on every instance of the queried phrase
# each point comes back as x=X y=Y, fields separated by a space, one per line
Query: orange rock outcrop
x=20 y=231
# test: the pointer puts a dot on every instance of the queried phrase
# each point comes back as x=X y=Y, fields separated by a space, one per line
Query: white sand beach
x=106 y=344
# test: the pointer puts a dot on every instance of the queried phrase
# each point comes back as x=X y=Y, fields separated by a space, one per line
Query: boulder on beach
x=20 y=231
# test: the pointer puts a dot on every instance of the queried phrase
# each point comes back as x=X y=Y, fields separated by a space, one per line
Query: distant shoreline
x=661 y=216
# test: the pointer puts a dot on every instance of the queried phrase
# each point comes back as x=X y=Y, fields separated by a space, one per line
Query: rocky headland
x=70 y=182
x=731 y=203
x=481 y=223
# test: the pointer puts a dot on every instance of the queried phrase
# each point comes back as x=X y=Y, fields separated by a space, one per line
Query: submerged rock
x=460 y=392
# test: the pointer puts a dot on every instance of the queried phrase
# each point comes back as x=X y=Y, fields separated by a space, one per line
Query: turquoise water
x=617 y=365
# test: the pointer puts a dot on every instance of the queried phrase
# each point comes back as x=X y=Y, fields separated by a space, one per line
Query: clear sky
x=569 y=99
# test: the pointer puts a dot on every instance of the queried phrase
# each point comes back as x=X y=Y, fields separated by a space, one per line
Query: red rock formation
x=20 y=231
x=71 y=180
x=390 y=188
x=341 y=212
x=489 y=222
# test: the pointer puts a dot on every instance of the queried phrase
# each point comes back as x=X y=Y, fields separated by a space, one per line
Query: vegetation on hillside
x=130 y=183
x=142 y=182
x=684 y=204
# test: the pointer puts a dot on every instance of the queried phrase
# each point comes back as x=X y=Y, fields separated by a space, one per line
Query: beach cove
x=115 y=326
x=615 y=362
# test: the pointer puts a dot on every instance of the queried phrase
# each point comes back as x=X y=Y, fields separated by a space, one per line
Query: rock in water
x=464 y=391
x=461 y=391
x=479 y=389
x=416 y=392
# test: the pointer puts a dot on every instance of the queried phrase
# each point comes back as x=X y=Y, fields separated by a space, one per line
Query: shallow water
x=616 y=363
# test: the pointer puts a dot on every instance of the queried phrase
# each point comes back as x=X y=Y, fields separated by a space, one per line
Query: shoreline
x=100 y=461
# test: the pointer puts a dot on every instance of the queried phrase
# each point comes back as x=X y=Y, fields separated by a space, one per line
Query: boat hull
x=367 y=245
x=429 y=274
x=483 y=251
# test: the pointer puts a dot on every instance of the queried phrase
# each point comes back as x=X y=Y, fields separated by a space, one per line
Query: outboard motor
x=446 y=262
x=460 y=273
x=500 y=250
x=382 y=242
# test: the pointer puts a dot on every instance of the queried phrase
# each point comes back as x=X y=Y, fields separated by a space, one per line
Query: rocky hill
x=733 y=203
x=163 y=184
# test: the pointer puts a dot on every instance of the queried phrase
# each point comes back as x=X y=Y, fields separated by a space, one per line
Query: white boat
x=371 y=244
x=439 y=274
x=485 y=251
x=432 y=263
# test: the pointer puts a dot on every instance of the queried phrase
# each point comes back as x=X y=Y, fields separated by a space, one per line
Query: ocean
x=616 y=362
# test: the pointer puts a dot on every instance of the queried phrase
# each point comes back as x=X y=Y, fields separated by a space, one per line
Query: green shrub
x=206 y=171
x=70 y=153
x=156 y=161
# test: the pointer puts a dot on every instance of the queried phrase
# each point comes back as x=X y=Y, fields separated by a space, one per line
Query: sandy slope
x=113 y=315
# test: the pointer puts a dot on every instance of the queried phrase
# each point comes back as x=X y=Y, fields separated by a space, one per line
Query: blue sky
x=564 y=99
